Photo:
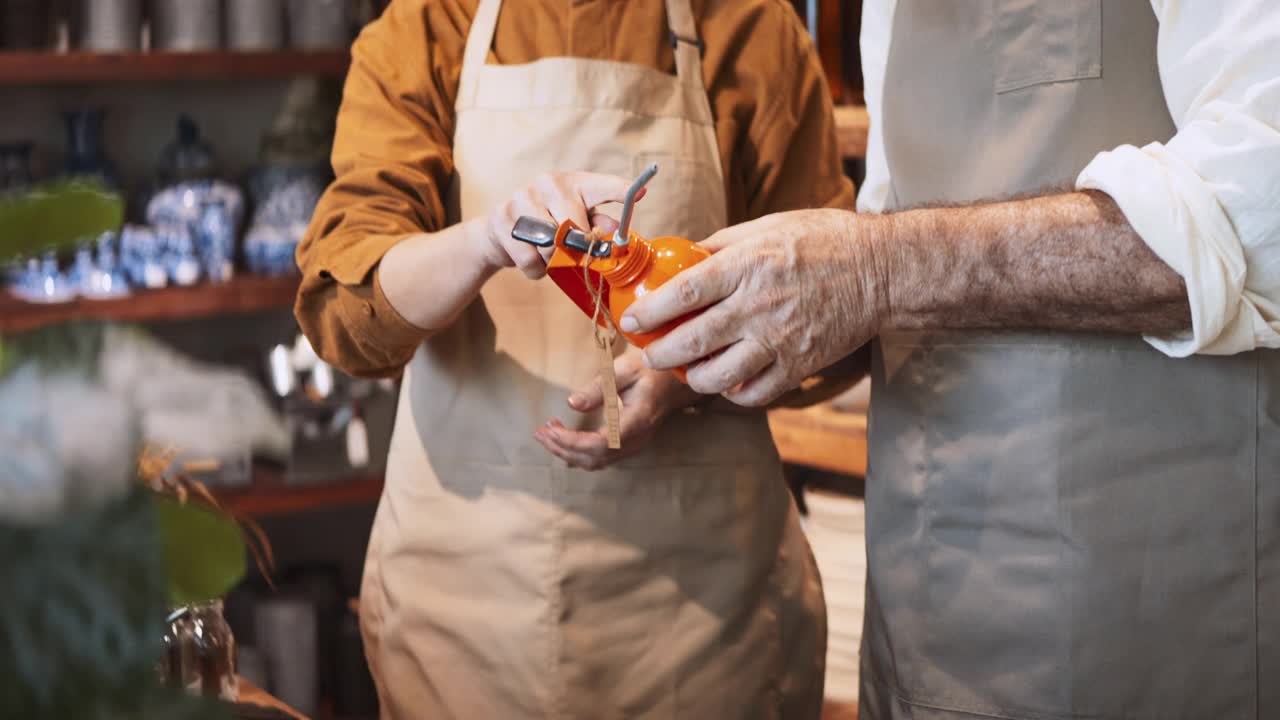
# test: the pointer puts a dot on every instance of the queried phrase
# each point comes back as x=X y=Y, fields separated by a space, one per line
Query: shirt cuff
x=1185 y=226
x=395 y=331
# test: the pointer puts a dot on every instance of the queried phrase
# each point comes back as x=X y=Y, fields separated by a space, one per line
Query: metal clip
x=696 y=42
x=542 y=233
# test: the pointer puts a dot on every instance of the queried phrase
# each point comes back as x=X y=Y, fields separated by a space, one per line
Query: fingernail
x=551 y=423
x=628 y=324
x=576 y=400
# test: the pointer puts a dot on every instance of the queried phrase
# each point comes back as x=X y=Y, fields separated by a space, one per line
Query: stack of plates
x=836 y=527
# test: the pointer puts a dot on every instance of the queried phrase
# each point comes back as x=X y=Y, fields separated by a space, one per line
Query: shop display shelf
x=84 y=68
x=270 y=495
x=241 y=294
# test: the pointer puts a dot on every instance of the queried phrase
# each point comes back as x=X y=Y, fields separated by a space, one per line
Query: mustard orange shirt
x=392 y=153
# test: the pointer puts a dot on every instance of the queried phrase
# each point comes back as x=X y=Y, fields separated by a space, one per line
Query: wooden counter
x=823 y=438
x=254 y=695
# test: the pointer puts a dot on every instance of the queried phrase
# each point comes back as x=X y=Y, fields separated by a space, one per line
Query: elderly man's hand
x=783 y=296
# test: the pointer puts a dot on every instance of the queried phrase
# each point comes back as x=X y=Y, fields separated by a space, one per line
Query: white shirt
x=1208 y=200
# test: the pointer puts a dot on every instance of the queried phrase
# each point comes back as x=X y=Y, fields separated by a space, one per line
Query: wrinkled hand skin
x=648 y=397
x=785 y=296
x=788 y=294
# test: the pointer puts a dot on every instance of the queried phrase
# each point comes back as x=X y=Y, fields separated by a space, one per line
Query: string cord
x=604 y=343
x=595 y=237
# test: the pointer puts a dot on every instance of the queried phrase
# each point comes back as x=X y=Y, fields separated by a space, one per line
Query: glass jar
x=200 y=652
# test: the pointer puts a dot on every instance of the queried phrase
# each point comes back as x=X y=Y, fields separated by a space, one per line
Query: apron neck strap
x=684 y=38
x=687 y=44
x=479 y=41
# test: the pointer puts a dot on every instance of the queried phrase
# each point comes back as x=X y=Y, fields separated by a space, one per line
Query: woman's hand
x=558 y=197
x=432 y=277
x=648 y=396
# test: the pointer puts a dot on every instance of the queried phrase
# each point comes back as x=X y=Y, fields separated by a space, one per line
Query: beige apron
x=1059 y=526
x=500 y=584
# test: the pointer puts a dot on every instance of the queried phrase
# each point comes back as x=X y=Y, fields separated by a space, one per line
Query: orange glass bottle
x=640 y=267
x=581 y=264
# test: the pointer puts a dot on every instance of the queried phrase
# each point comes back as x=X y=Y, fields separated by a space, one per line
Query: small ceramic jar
x=111 y=25
x=319 y=24
x=255 y=24
x=188 y=25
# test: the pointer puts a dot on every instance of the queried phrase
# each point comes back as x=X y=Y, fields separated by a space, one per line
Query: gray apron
x=1059 y=525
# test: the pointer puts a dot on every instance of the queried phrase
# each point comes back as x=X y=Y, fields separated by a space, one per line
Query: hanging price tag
x=604 y=341
x=609 y=386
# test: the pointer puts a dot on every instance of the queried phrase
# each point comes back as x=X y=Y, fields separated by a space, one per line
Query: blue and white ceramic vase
x=84 y=147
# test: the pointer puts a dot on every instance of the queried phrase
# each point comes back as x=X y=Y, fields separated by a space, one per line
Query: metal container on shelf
x=188 y=25
x=111 y=25
x=255 y=24
x=320 y=24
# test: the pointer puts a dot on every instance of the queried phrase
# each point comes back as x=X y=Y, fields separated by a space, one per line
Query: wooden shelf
x=852 y=126
x=269 y=495
x=241 y=294
x=821 y=437
x=49 y=68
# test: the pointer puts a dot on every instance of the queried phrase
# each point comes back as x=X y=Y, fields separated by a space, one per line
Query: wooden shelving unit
x=821 y=437
x=241 y=294
x=269 y=495
x=852 y=125
x=83 y=68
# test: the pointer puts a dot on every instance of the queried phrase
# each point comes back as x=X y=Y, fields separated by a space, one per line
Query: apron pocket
x=994 y=613
x=1044 y=42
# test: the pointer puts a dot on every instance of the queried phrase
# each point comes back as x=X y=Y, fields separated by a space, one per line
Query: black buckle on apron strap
x=696 y=42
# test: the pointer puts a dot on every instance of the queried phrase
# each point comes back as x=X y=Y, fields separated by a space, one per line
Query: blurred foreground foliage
x=80 y=624
x=85 y=591
x=55 y=216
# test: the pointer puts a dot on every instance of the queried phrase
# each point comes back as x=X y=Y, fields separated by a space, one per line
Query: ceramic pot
x=255 y=24
x=111 y=25
x=188 y=25
x=319 y=24
x=84 y=147
x=188 y=157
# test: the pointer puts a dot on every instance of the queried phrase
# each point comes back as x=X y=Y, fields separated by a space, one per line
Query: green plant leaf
x=56 y=215
x=204 y=552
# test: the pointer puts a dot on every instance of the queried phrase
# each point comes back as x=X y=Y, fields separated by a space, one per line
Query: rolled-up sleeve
x=392 y=159
x=1207 y=202
x=791 y=157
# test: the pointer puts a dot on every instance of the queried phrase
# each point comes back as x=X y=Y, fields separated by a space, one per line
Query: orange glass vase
x=628 y=273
